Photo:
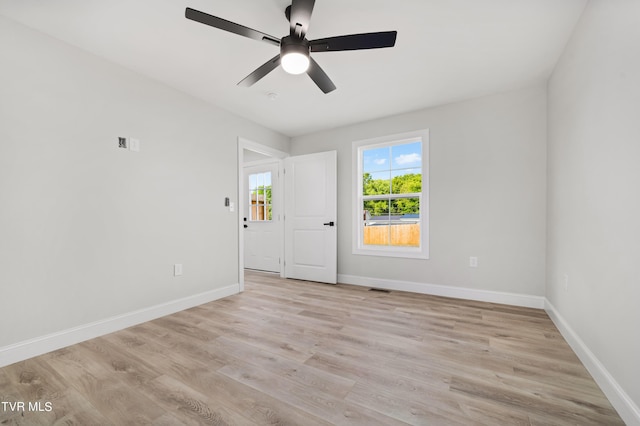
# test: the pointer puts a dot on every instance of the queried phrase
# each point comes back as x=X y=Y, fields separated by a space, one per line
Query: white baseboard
x=627 y=409
x=41 y=345
x=515 y=299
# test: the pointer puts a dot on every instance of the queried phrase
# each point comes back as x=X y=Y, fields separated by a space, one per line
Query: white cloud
x=380 y=161
x=408 y=158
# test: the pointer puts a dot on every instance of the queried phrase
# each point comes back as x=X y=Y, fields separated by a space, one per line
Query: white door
x=310 y=217
x=262 y=234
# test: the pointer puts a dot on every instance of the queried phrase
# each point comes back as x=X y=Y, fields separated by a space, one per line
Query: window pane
x=376 y=183
x=253 y=199
x=406 y=208
x=267 y=194
x=376 y=159
x=405 y=235
x=408 y=155
x=269 y=212
x=377 y=235
x=405 y=222
x=260 y=196
x=376 y=222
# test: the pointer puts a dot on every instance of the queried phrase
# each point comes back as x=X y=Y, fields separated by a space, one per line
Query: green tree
x=407 y=184
x=403 y=184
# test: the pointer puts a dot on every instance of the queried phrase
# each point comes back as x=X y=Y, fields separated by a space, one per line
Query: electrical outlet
x=122 y=142
x=473 y=262
x=177 y=269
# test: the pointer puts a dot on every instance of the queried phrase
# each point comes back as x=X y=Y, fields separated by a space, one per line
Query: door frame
x=277 y=155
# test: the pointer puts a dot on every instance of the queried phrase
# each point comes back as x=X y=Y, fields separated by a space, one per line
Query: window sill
x=407 y=254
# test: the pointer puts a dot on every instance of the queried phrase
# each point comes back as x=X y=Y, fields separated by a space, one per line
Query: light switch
x=134 y=144
x=232 y=207
x=177 y=269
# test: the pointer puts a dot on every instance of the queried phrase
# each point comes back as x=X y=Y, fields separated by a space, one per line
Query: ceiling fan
x=295 y=49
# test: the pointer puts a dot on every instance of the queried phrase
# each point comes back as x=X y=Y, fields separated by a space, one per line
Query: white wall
x=594 y=188
x=487 y=193
x=89 y=231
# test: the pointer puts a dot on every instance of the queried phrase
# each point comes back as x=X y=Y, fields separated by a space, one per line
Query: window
x=391 y=202
x=260 y=197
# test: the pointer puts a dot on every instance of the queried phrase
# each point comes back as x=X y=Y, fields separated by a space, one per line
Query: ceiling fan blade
x=300 y=16
x=355 y=42
x=232 y=27
x=263 y=70
x=319 y=77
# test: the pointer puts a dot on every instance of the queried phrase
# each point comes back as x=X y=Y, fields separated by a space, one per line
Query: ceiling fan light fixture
x=294 y=55
x=295 y=63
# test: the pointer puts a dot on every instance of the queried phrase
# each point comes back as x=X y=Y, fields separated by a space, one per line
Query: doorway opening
x=260 y=209
x=262 y=216
x=306 y=244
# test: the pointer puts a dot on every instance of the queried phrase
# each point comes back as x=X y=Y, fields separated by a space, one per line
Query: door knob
x=246 y=226
x=329 y=224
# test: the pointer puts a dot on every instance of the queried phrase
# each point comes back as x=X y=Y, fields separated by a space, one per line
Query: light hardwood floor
x=301 y=353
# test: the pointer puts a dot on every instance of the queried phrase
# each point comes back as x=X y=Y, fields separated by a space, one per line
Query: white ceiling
x=446 y=50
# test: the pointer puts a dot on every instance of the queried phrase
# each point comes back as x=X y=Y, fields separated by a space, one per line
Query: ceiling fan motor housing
x=290 y=44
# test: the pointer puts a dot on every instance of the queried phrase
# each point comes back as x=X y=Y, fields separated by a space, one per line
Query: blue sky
x=259 y=180
x=406 y=157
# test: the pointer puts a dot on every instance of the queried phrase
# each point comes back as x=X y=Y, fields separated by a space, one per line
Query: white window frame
x=358 y=147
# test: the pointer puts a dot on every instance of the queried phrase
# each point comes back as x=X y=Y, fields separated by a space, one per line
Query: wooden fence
x=404 y=234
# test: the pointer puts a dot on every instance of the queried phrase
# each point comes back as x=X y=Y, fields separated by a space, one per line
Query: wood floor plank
x=272 y=340
x=71 y=408
x=34 y=380
x=192 y=407
x=538 y=404
x=177 y=343
x=374 y=375
x=429 y=408
x=489 y=412
x=318 y=403
x=288 y=352
x=116 y=362
x=259 y=407
x=300 y=373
